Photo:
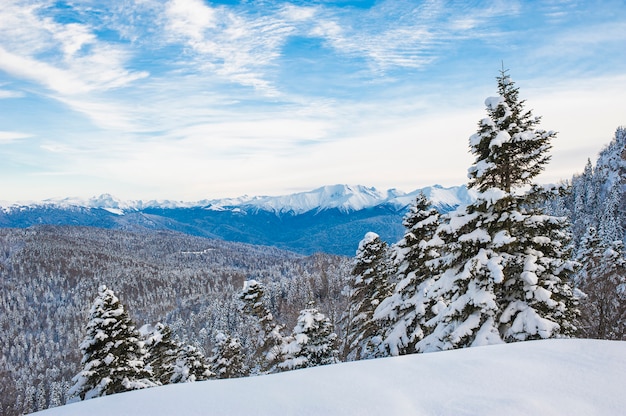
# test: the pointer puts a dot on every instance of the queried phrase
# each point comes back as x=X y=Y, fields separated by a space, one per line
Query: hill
x=551 y=377
x=49 y=277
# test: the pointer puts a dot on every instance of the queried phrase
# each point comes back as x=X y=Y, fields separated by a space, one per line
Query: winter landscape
x=494 y=283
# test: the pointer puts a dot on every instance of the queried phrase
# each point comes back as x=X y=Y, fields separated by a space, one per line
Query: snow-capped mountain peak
x=345 y=198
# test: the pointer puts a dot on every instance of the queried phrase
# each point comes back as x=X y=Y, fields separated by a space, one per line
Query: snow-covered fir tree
x=228 y=360
x=406 y=310
x=597 y=207
x=602 y=279
x=610 y=228
x=509 y=150
x=368 y=287
x=598 y=195
x=504 y=270
x=271 y=339
x=190 y=366
x=312 y=343
x=113 y=355
x=584 y=207
x=162 y=351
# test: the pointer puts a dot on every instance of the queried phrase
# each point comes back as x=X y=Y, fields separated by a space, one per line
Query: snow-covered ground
x=553 y=377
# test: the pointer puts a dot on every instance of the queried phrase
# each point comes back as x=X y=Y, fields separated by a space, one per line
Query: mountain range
x=330 y=219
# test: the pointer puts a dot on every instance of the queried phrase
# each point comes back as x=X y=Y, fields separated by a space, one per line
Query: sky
x=195 y=99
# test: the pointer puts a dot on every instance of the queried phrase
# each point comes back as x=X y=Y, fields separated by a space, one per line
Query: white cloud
x=233 y=46
x=66 y=58
x=189 y=119
x=12 y=136
x=190 y=19
x=10 y=94
x=298 y=13
x=72 y=37
x=49 y=76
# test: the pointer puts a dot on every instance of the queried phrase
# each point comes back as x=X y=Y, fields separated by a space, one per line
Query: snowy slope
x=553 y=377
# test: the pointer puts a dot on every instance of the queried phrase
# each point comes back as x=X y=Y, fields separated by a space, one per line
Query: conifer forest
x=88 y=312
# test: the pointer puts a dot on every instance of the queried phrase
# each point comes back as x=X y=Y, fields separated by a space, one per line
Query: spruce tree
x=369 y=286
x=228 y=360
x=602 y=279
x=510 y=152
x=504 y=269
x=585 y=193
x=190 y=366
x=113 y=355
x=610 y=227
x=537 y=299
x=313 y=342
x=162 y=351
x=409 y=307
x=271 y=339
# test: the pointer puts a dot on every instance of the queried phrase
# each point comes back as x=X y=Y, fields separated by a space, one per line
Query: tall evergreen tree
x=162 y=351
x=271 y=339
x=505 y=271
x=509 y=150
x=368 y=287
x=190 y=366
x=409 y=307
x=228 y=360
x=313 y=342
x=537 y=299
x=602 y=278
x=585 y=192
x=113 y=355
x=610 y=227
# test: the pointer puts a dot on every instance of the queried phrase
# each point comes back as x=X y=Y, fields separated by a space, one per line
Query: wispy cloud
x=238 y=47
x=10 y=94
x=12 y=136
x=161 y=91
x=65 y=58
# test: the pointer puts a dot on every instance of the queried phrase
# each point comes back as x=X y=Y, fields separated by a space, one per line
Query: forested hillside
x=595 y=203
x=49 y=277
x=597 y=196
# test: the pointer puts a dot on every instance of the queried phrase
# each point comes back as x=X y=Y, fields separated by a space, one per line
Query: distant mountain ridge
x=329 y=219
x=345 y=198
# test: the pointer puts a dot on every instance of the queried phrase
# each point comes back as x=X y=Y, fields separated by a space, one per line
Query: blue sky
x=193 y=99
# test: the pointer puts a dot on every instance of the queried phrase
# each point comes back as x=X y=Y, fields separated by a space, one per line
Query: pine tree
x=313 y=342
x=585 y=201
x=409 y=307
x=598 y=199
x=504 y=269
x=610 y=227
x=509 y=150
x=190 y=366
x=113 y=355
x=602 y=278
x=368 y=287
x=271 y=339
x=537 y=299
x=228 y=360
x=162 y=351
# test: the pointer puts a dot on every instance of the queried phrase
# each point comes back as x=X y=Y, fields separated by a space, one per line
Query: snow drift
x=551 y=377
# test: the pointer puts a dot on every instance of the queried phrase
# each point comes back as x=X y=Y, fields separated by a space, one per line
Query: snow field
x=550 y=377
